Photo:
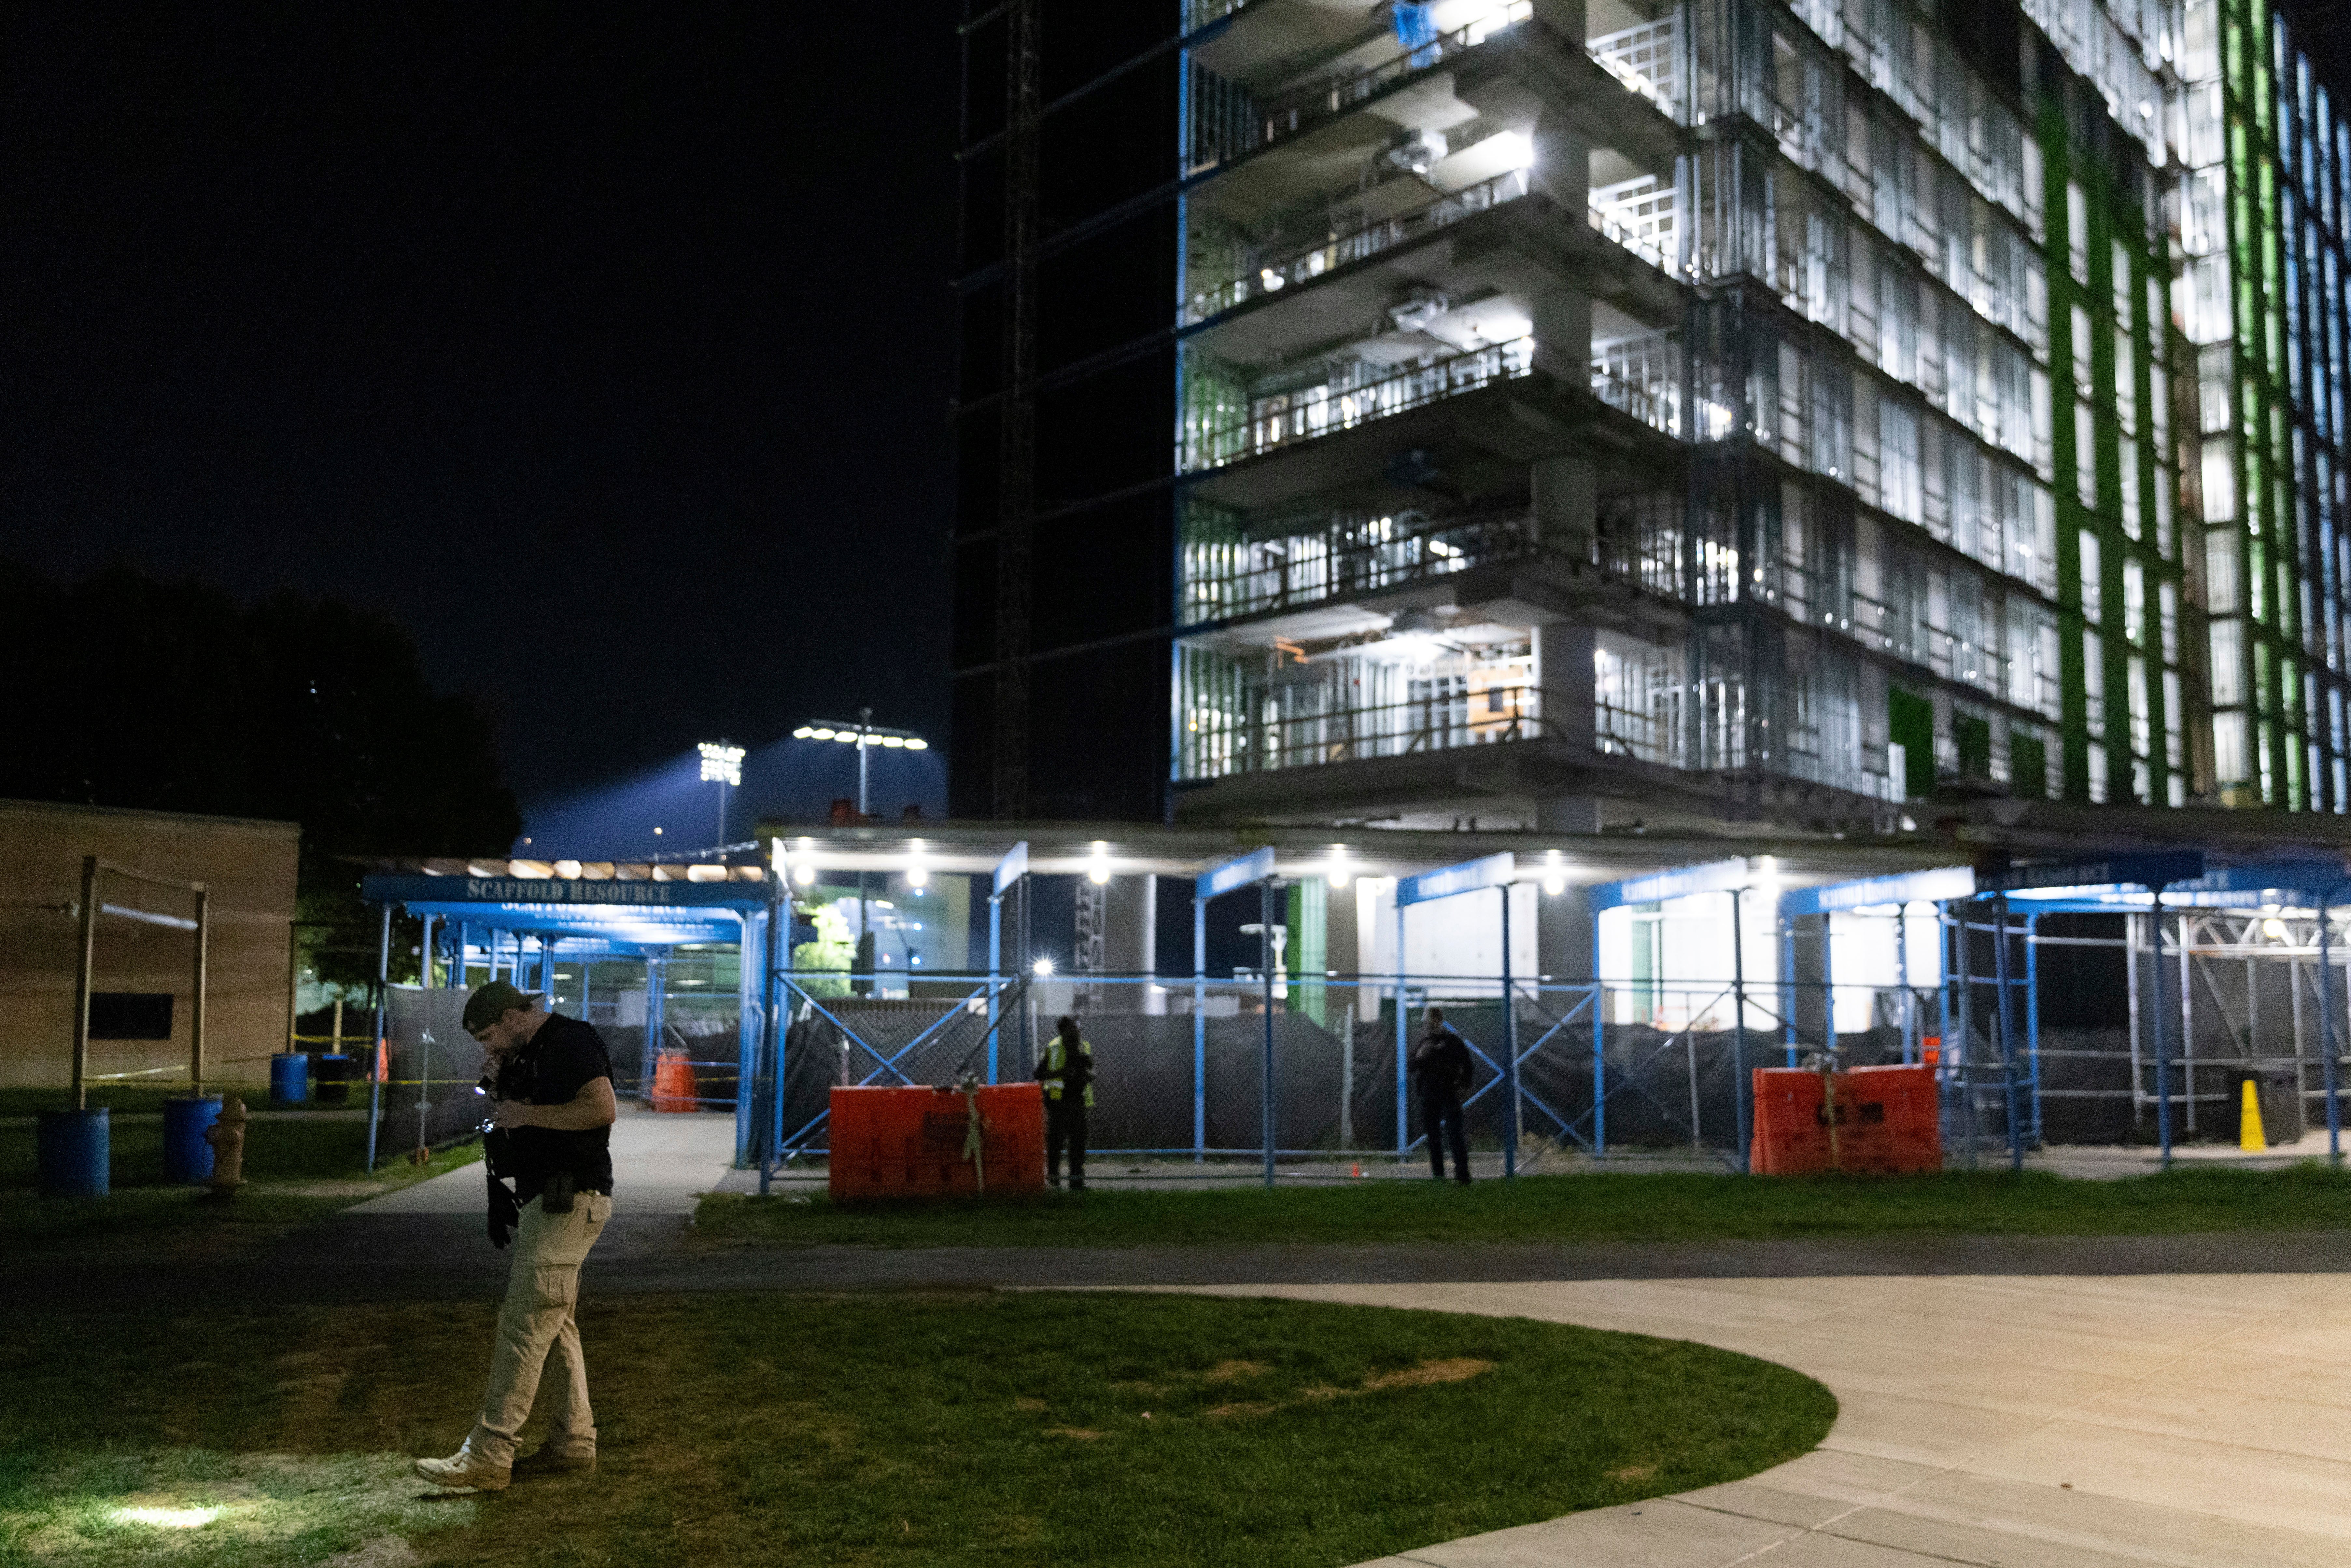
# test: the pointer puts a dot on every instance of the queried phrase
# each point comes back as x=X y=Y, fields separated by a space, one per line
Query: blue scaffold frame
x=992 y=994
x=606 y=917
x=1734 y=877
x=1495 y=871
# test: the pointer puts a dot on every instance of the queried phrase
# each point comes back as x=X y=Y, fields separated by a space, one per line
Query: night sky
x=607 y=348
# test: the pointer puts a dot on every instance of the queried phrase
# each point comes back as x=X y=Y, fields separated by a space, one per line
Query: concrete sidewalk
x=2195 y=1421
x=660 y=1164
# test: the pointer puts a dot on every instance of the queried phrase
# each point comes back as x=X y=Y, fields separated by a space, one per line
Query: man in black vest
x=1441 y=1061
x=555 y=1115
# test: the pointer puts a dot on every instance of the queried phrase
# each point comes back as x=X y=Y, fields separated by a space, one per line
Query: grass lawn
x=918 y=1430
x=295 y=1169
x=1599 y=1208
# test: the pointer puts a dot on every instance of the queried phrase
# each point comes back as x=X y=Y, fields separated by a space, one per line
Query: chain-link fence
x=1181 y=1068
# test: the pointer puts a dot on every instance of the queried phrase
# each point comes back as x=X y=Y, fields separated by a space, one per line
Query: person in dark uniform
x=1067 y=1071
x=1441 y=1063
x=553 y=1084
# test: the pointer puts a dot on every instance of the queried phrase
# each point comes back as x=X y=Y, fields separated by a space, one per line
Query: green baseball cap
x=492 y=1002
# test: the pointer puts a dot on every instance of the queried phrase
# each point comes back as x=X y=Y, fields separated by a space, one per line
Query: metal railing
x=1285 y=419
x=1301 y=109
x=1644 y=215
x=1647 y=57
x=1642 y=376
x=1290 y=267
x=1223 y=581
x=1441 y=720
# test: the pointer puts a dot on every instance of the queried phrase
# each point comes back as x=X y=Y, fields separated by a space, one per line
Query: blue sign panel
x=1904 y=887
x=1253 y=867
x=1013 y=866
x=563 y=891
x=2266 y=877
x=1490 y=871
x=2131 y=871
x=1682 y=881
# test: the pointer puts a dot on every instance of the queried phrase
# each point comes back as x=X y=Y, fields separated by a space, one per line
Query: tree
x=832 y=949
x=171 y=697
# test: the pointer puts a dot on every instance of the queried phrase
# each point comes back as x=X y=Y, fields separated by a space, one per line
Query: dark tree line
x=123 y=691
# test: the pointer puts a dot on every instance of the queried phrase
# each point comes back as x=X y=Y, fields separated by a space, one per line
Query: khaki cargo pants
x=542 y=1292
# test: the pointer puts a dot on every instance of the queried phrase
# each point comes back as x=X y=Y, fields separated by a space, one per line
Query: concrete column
x=1154 y=1001
x=1127 y=917
x=1562 y=320
x=1562 y=168
x=1566 y=504
x=1810 y=1004
x=1341 y=953
x=1564 y=682
x=1565 y=949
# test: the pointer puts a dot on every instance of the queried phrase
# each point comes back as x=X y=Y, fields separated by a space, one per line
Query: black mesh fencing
x=432 y=1067
x=1164 y=1085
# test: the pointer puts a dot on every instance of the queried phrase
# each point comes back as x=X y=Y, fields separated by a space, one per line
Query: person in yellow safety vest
x=1067 y=1071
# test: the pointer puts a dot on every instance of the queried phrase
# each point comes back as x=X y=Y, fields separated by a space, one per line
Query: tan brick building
x=144 y=973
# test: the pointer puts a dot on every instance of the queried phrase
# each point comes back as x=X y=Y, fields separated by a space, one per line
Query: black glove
x=505 y=1213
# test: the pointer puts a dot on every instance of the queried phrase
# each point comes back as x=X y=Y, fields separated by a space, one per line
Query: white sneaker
x=466 y=1469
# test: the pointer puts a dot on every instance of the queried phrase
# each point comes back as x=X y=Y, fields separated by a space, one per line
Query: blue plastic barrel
x=75 y=1151
x=187 y=1158
x=289 y=1078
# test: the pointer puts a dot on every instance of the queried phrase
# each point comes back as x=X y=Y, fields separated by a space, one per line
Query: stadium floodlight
x=722 y=765
x=721 y=762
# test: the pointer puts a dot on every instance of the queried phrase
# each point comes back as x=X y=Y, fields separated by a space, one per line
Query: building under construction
x=1572 y=414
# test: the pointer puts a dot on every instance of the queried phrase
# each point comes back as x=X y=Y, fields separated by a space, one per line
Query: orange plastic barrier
x=914 y=1143
x=674 y=1084
x=1887 y=1120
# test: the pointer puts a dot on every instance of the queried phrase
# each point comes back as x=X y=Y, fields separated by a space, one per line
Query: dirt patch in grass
x=1457 y=1369
x=1231 y=1371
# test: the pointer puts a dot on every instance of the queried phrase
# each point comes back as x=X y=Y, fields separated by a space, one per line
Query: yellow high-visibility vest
x=1056 y=1064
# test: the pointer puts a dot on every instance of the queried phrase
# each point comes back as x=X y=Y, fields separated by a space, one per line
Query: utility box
x=919 y=1143
x=2279 y=1092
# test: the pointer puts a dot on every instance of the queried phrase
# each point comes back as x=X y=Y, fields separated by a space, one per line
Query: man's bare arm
x=592 y=1107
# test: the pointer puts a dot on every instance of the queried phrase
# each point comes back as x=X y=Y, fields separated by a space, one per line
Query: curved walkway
x=2022 y=1421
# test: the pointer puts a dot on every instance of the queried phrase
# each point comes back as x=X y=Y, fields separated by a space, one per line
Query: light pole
x=864 y=735
x=723 y=765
